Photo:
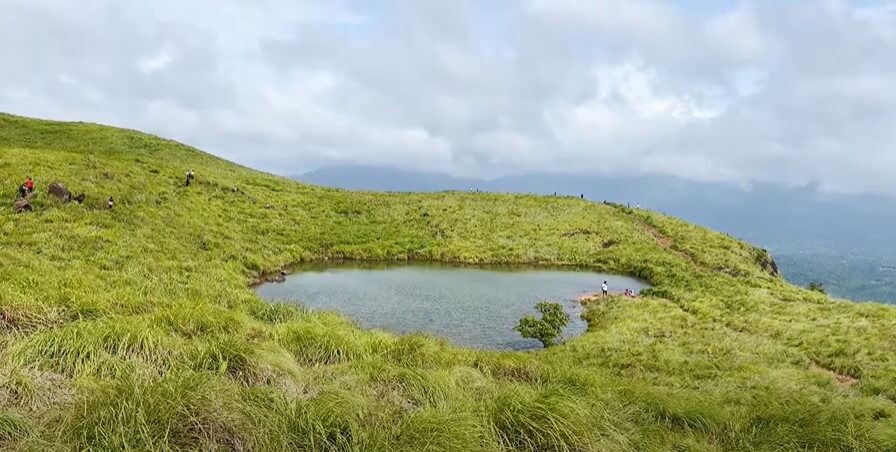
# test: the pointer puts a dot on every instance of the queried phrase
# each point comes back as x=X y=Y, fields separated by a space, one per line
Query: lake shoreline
x=287 y=270
x=473 y=306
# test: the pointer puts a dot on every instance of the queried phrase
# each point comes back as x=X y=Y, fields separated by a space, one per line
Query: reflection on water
x=472 y=306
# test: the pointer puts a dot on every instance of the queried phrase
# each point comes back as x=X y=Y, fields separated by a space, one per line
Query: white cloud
x=626 y=118
x=301 y=111
x=639 y=22
x=879 y=18
x=153 y=63
x=739 y=35
x=788 y=92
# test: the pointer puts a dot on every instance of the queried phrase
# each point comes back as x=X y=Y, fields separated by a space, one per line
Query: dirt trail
x=665 y=242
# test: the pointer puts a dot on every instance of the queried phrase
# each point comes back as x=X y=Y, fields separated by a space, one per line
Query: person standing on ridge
x=605 y=289
x=29 y=184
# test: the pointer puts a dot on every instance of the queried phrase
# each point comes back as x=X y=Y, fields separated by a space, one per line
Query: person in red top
x=29 y=184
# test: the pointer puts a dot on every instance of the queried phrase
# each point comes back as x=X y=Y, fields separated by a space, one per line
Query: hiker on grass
x=190 y=177
x=605 y=289
x=29 y=185
x=110 y=204
x=23 y=190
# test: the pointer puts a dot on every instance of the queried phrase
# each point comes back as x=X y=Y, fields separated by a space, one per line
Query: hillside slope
x=133 y=328
x=785 y=219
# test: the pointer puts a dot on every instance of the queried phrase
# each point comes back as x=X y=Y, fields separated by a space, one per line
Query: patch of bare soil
x=666 y=242
x=597 y=296
x=578 y=232
x=34 y=390
x=841 y=379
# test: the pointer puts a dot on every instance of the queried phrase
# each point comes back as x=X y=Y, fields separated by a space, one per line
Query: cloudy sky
x=794 y=92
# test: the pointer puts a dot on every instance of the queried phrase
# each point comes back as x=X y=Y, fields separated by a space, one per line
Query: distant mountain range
x=785 y=220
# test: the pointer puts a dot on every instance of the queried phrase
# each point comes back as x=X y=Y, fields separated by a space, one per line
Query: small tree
x=548 y=328
x=816 y=286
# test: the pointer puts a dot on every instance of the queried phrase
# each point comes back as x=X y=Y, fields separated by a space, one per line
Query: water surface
x=472 y=306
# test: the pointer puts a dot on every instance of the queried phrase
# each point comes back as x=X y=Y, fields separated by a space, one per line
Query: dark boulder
x=58 y=190
x=766 y=262
x=79 y=199
x=22 y=205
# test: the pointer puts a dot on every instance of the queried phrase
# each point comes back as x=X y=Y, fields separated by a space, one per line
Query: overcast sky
x=794 y=92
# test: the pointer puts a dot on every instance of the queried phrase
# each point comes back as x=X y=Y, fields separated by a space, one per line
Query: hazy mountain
x=786 y=220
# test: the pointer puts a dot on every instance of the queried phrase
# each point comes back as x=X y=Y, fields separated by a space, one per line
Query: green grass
x=134 y=329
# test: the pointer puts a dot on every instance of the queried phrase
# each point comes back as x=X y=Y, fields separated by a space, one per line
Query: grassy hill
x=134 y=328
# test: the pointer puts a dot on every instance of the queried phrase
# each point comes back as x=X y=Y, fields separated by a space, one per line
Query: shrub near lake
x=549 y=327
x=134 y=327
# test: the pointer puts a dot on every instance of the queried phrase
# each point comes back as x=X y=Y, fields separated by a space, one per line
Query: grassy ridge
x=133 y=328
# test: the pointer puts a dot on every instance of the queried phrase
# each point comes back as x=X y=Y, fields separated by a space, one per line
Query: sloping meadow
x=133 y=328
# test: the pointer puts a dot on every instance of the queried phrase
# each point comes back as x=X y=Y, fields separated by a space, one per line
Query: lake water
x=474 y=307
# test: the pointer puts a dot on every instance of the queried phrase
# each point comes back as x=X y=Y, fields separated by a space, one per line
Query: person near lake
x=605 y=289
x=29 y=184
